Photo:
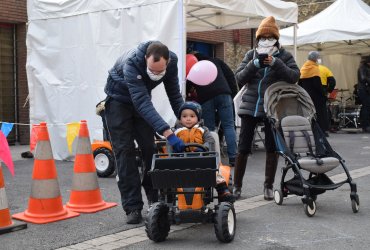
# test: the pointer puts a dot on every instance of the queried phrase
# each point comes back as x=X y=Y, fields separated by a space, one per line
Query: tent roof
x=205 y=15
x=201 y=15
x=340 y=28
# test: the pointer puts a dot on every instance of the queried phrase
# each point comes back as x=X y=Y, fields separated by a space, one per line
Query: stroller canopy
x=283 y=99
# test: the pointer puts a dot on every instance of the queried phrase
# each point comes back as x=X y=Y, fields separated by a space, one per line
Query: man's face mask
x=319 y=61
x=155 y=77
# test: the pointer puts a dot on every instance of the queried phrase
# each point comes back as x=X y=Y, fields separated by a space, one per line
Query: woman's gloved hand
x=177 y=144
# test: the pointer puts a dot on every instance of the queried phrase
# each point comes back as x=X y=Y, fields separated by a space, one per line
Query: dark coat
x=313 y=87
x=258 y=79
x=224 y=84
x=363 y=75
x=129 y=83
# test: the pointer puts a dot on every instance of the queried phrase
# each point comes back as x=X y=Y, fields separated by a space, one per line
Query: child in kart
x=190 y=130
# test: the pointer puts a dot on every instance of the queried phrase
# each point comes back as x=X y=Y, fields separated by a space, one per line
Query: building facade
x=13 y=80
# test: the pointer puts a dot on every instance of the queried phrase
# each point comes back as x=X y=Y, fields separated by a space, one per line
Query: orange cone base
x=90 y=208
x=15 y=226
x=43 y=219
x=88 y=201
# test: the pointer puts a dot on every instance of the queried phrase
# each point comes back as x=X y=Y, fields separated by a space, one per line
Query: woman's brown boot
x=270 y=171
x=239 y=170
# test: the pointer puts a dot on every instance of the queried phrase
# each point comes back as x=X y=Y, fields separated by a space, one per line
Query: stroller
x=299 y=139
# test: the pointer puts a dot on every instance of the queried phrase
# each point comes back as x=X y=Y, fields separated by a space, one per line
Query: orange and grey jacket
x=197 y=134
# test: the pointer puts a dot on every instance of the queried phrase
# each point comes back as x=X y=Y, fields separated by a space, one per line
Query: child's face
x=188 y=118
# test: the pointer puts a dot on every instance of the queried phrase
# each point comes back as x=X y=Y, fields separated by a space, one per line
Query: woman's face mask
x=155 y=77
x=266 y=42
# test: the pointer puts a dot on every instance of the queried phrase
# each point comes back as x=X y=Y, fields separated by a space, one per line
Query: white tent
x=71 y=45
x=341 y=33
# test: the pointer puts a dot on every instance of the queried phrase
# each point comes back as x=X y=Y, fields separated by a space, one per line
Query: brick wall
x=15 y=11
x=23 y=110
x=230 y=45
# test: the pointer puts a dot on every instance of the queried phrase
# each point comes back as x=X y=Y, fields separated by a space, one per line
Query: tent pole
x=295 y=40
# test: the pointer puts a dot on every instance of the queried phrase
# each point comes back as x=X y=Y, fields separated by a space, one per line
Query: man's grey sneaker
x=134 y=217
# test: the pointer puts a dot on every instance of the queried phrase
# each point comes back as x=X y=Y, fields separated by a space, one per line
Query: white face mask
x=266 y=42
x=319 y=61
x=155 y=77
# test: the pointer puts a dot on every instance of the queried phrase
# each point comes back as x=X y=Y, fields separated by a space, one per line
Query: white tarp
x=71 y=45
x=343 y=27
x=341 y=33
x=203 y=15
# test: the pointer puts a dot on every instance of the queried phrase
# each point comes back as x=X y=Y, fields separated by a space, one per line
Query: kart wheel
x=310 y=210
x=355 y=204
x=225 y=222
x=157 y=224
x=278 y=197
x=104 y=162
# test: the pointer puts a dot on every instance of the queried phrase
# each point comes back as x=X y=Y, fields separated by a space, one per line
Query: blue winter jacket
x=129 y=83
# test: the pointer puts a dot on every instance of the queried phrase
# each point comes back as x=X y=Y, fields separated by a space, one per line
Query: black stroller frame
x=316 y=183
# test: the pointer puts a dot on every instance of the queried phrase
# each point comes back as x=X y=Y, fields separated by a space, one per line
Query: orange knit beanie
x=267 y=27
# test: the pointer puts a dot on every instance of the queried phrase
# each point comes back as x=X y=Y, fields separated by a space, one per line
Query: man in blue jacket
x=130 y=115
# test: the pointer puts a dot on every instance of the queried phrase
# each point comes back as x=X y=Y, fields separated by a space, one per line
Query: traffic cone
x=85 y=193
x=6 y=223
x=45 y=203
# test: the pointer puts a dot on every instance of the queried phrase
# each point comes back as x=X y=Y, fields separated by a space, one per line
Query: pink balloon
x=202 y=73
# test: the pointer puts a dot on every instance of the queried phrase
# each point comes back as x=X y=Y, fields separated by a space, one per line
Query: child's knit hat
x=193 y=106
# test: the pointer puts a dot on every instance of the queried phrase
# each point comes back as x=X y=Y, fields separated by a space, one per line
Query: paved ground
x=261 y=225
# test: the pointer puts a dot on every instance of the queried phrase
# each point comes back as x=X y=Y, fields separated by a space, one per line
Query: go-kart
x=104 y=158
x=186 y=183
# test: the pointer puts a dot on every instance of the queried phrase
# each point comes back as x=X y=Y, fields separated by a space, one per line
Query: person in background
x=261 y=67
x=310 y=80
x=190 y=129
x=363 y=75
x=130 y=115
x=328 y=83
x=217 y=97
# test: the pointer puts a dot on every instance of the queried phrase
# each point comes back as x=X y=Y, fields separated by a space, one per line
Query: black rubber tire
x=157 y=224
x=104 y=162
x=222 y=223
x=355 y=202
x=308 y=210
x=278 y=196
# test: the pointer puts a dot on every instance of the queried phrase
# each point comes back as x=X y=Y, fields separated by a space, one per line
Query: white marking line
x=136 y=235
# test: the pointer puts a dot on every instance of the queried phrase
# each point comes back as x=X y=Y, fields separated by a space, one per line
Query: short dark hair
x=157 y=50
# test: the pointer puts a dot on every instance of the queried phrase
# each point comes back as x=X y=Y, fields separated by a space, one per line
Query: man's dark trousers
x=124 y=126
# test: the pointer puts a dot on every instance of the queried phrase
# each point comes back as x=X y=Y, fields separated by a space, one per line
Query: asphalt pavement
x=260 y=224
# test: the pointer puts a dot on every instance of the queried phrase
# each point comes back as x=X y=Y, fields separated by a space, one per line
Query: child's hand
x=177 y=144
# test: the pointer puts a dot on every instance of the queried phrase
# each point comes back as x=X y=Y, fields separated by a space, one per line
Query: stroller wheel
x=314 y=197
x=278 y=197
x=310 y=208
x=157 y=224
x=355 y=204
x=225 y=222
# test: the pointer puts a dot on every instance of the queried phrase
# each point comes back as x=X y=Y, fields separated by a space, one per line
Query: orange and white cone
x=6 y=223
x=85 y=194
x=45 y=203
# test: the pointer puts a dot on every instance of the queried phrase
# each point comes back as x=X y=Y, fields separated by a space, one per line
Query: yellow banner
x=72 y=132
